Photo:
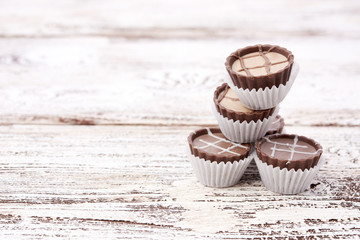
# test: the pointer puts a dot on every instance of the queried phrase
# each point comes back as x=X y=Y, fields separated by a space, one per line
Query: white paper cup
x=264 y=98
x=213 y=174
x=286 y=181
x=243 y=132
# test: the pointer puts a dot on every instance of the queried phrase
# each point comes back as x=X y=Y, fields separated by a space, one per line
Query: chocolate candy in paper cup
x=287 y=163
x=261 y=75
x=217 y=162
x=237 y=122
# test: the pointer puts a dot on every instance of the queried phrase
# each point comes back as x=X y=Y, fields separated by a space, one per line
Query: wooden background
x=97 y=99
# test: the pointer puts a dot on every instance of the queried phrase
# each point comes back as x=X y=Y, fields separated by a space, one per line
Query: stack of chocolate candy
x=259 y=77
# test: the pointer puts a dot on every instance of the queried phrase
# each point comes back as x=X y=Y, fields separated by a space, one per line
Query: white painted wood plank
x=135 y=182
x=181 y=19
x=102 y=81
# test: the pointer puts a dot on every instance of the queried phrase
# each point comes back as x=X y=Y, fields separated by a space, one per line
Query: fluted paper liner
x=277 y=130
x=285 y=181
x=243 y=132
x=213 y=174
x=262 y=99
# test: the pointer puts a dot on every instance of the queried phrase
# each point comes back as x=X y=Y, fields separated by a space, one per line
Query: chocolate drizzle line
x=255 y=115
x=242 y=64
x=291 y=149
x=219 y=140
x=233 y=99
x=269 y=80
x=272 y=64
x=201 y=151
x=305 y=163
x=267 y=62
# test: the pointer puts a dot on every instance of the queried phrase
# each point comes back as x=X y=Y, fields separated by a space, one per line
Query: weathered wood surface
x=58 y=63
x=101 y=81
x=136 y=182
x=183 y=19
x=144 y=72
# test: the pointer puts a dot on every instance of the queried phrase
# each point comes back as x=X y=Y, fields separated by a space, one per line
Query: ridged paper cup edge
x=243 y=132
x=264 y=98
x=286 y=181
x=220 y=175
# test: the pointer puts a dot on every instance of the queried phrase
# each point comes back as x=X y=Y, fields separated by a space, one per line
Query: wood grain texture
x=183 y=19
x=144 y=72
x=105 y=63
x=136 y=182
x=102 y=81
